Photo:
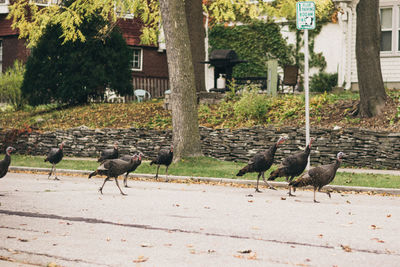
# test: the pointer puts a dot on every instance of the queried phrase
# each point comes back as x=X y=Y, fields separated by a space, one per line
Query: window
x=45 y=2
x=390 y=29
x=137 y=59
x=386 y=29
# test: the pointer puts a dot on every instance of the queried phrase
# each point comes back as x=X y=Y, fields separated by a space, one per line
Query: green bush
x=252 y=105
x=323 y=82
x=10 y=85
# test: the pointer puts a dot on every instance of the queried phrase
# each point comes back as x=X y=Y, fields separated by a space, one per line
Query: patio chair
x=141 y=95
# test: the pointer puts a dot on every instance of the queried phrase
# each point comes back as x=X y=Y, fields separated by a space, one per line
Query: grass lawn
x=208 y=167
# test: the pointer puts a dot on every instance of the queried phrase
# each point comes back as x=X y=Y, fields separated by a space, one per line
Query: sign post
x=305 y=20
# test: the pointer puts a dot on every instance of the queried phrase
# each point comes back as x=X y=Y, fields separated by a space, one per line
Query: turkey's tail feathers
x=277 y=173
x=304 y=180
x=92 y=174
x=243 y=171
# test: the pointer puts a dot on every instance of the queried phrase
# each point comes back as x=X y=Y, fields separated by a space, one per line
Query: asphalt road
x=69 y=223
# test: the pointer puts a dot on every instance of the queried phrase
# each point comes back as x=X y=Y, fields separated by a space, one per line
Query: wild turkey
x=261 y=162
x=138 y=161
x=164 y=157
x=319 y=176
x=109 y=153
x=55 y=156
x=112 y=168
x=5 y=163
x=292 y=166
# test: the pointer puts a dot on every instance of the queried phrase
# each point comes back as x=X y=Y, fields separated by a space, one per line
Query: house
x=149 y=62
x=390 y=43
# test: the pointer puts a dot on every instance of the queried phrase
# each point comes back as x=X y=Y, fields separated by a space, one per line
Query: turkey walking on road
x=113 y=168
x=164 y=157
x=292 y=166
x=109 y=153
x=261 y=162
x=319 y=176
x=5 y=163
x=138 y=161
x=55 y=156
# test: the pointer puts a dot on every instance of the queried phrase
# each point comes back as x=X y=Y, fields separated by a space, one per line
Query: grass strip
x=208 y=167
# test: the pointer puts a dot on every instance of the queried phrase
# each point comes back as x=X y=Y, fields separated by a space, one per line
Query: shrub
x=73 y=72
x=252 y=105
x=10 y=85
x=323 y=82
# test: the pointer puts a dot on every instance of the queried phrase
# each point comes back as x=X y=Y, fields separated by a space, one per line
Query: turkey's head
x=311 y=141
x=281 y=140
x=115 y=145
x=140 y=155
x=9 y=150
x=62 y=145
x=340 y=156
x=171 y=148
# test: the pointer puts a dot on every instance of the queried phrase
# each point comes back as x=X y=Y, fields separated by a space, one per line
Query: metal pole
x=306 y=92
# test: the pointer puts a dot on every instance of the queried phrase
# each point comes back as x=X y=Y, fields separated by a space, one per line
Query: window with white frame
x=390 y=29
x=137 y=59
x=46 y=2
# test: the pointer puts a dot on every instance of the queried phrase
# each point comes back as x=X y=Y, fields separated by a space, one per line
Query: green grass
x=209 y=167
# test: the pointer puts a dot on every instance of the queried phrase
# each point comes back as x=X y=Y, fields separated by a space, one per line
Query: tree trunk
x=185 y=125
x=194 y=18
x=371 y=87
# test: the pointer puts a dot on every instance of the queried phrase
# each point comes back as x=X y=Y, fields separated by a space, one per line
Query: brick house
x=149 y=62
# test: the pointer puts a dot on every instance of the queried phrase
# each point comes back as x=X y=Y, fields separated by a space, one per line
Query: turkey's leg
x=269 y=186
x=258 y=178
x=126 y=180
x=166 y=172
x=101 y=188
x=55 y=174
x=290 y=188
x=51 y=171
x=315 y=201
x=116 y=181
x=158 y=167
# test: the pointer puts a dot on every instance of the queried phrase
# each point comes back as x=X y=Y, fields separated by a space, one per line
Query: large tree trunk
x=186 y=136
x=194 y=18
x=372 y=90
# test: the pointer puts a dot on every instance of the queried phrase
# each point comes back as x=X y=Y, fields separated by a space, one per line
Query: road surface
x=69 y=223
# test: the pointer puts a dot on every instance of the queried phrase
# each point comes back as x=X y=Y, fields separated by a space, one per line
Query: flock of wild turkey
x=113 y=165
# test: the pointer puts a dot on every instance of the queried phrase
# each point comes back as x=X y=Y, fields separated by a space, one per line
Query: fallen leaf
x=238 y=256
x=146 y=245
x=378 y=240
x=22 y=240
x=168 y=245
x=189 y=245
x=249 y=195
x=252 y=257
x=320 y=235
x=141 y=259
x=251 y=201
x=283 y=198
x=347 y=201
x=389 y=215
x=297 y=200
x=346 y=248
x=108 y=239
x=11 y=237
x=207 y=207
x=211 y=251
x=192 y=251
x=245 y=251
x=123 y=240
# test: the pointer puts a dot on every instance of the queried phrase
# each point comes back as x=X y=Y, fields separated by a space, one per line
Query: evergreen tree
x=71 y=72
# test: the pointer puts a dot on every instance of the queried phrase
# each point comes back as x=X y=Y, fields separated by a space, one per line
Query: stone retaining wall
x=364 y=148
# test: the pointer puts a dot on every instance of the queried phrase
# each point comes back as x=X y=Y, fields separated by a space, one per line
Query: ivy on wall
x=257 y=43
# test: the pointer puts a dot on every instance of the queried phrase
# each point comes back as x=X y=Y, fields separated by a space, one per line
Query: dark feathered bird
x=136 y=164
x=5 y=163
x=261 y=162
x=164 y=157
x=112 y=168
x=55 y=156
x=292 y=166
x=319 y=176
x=109 y=153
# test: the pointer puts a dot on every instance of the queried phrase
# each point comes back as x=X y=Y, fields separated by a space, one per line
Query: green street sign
x=305 y=15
